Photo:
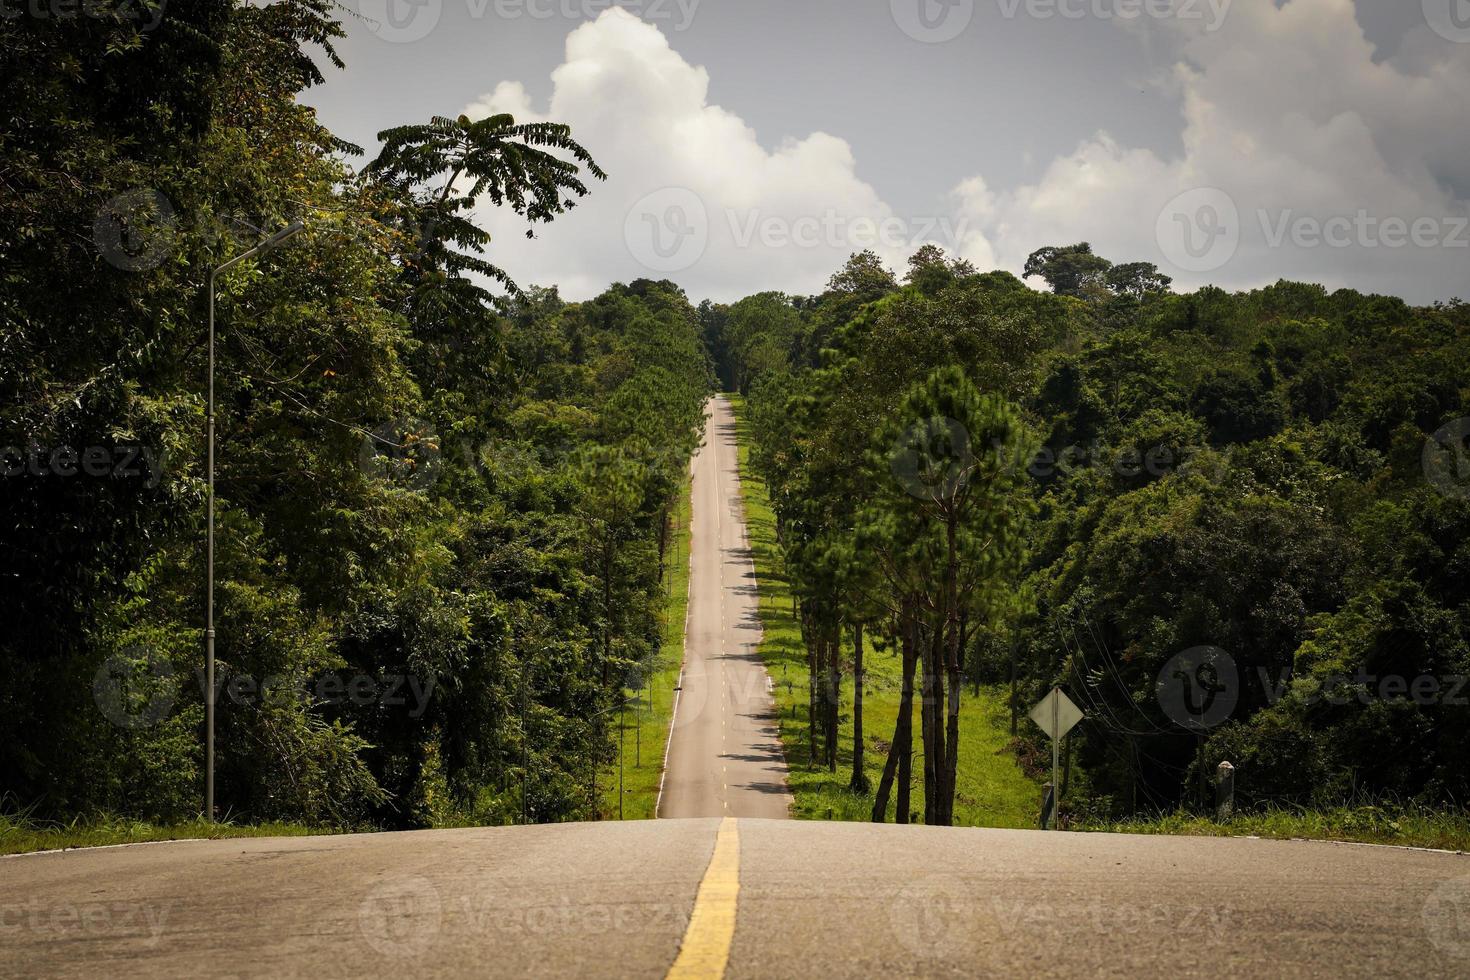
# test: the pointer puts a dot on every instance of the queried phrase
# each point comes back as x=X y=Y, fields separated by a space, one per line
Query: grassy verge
x=992 y=790
x=1404 y=826
x=645 y=729
x=19 y=835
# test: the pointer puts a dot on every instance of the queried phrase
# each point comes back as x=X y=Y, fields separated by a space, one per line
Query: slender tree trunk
x=931 y=713
x=859 y=782
x=905 y=734
x=811 y=693
x=952 y=743
x=820 y=681
x=834 y=693
x=953 y=675
x=885 y=781
x=890 y=765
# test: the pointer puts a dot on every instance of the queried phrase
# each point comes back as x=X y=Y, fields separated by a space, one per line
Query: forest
x=1105 y=483
x=441 y=511
x=444 y=498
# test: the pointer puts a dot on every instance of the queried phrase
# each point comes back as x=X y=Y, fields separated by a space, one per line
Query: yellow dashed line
x=706 y=947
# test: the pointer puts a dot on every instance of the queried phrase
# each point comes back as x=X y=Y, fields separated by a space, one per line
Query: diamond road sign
x=1056 y=714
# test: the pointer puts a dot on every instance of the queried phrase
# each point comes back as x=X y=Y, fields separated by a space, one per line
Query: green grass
x=1406 y=826
x=645 y=731
x=19 y=835
x=992 y=790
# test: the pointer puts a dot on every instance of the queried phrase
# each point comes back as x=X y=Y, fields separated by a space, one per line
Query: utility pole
x=209 y=686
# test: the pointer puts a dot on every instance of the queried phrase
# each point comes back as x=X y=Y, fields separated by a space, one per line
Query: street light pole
x=209 y=687
x=592 y=764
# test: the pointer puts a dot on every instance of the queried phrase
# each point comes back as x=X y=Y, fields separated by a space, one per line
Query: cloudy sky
x=754 y=144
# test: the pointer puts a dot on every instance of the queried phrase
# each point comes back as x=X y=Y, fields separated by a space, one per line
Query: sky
x=753 y=145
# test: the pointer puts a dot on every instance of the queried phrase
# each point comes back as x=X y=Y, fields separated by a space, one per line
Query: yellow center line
x=706 y=947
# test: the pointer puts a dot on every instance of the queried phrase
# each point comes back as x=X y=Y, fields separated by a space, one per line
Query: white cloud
x=1287 y=113
x=783 y=218
x=1284 y=110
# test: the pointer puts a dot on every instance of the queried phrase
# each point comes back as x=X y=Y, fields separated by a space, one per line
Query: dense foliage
x=1265 y=474
x=443 y=510
x=441 y=514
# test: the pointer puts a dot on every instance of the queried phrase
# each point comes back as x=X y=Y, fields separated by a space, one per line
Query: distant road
x=780 y=899
x=724 y=756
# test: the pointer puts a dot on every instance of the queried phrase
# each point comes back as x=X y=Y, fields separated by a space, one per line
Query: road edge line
x=658 y=804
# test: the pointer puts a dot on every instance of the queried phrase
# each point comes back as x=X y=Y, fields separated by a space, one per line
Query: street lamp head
x=282 y=235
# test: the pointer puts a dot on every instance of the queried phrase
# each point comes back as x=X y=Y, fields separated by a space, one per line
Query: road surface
x=724 y=756
x=779 y=899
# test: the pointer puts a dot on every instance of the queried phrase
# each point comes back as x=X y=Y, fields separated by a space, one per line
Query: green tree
x=958 y=456
x=1071 y=270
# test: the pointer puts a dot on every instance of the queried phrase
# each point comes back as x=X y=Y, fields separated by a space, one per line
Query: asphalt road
x=798 y=899
x=724 y=755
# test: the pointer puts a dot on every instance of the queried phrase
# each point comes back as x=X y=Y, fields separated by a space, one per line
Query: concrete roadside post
x=1224 y=792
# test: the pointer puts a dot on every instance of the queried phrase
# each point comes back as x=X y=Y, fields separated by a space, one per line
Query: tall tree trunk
x=952 y=673
x=890 y=765
x=812 y=641
x=859 y=782
x=905 y=734
x=931 y=714
x=834 y=693
x=821 y=681
x=952 y=743
x=885 y=781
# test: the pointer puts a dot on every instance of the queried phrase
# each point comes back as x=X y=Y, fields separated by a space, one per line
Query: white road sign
x=1056 y=714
